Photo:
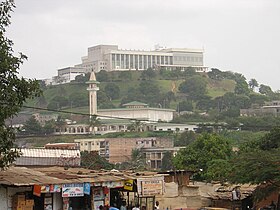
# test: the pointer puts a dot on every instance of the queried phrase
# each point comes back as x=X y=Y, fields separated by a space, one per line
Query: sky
x=237 y=35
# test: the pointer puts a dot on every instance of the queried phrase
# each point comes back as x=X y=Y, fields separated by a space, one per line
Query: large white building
x=111 y=58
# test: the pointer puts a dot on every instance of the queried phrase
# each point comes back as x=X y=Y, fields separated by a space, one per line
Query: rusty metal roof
x=23 y=176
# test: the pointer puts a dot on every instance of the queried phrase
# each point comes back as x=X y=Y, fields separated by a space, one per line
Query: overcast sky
x=237 y=35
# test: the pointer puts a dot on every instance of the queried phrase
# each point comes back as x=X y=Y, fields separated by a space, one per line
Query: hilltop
x=198 y=97
x=116 y=88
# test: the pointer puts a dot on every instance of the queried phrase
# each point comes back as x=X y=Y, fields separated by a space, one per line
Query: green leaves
x=13 y=89
x=198 y=155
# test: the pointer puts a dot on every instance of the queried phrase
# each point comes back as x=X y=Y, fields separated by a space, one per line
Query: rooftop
x=23 y=176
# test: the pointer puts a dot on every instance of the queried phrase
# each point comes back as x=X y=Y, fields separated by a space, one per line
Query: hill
x=75 y=95
x=199 y=97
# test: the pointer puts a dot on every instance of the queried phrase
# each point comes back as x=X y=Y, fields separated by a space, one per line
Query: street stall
x=56 y=188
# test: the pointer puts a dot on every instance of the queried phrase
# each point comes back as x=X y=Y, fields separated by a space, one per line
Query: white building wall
x=149 y=114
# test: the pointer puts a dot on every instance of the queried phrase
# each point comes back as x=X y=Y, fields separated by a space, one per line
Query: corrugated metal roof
x=49 y=153
x=22 y=176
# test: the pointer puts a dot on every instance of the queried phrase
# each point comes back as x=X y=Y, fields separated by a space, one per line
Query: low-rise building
x=154 y=155
x=49 y=157
x=139 y=111
x=117 y=150
x=269 y=108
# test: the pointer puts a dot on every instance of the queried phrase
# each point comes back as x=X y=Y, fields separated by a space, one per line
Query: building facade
x=271 y=108
x=68 y=74
x=117 y=150
x=111 y=58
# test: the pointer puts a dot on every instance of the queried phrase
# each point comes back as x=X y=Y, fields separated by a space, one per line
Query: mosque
x=119 y=119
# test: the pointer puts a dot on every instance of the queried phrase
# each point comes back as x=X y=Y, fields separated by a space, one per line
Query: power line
x=83 y=114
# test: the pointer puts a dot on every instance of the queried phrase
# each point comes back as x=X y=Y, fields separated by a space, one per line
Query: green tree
x=49 y=127
x=103 y=101
x=258 y=99
x=125 y=75
x=185 y=106
x=148 y=74
x=215 y=74
x=58 y=102
x=150 y=92
x=138 y=160
x=13 y=90
x=259 y=163
x=198 y=155
x=136 y=126
x=60 y=123
x=265 y=89
x=241 y=87
x=133 y=94
x=32 y=126
x=185 y=138
x=92 y=160
x=77 y=99
x=167 y=161
x=194 y=87
x=112 y=91
x=94 y=122
x=102 y=76
x=189 y=72
x=253 y=83
x=82 y=78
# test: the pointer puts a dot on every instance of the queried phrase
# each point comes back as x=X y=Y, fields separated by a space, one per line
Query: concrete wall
x=120 y=148
x=182 y=197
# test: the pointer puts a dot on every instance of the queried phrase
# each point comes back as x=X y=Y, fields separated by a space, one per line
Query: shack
x=56 y=188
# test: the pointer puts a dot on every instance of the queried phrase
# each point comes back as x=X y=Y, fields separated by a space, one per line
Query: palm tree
x=93 y=123
x=60 y=123
x=136 y=126
x=253 y=83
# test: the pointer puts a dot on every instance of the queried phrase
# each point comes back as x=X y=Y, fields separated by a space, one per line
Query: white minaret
x=92 y=88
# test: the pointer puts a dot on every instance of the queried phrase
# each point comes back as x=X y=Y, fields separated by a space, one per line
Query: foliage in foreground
x=14 y=90
x=257 y=161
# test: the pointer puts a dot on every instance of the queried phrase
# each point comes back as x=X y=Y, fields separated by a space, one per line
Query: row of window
x=124 y=61
x=188 y=58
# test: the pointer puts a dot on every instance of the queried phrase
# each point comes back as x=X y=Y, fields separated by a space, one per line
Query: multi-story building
x=65 y=75
x=111 y=58
x=117 y=150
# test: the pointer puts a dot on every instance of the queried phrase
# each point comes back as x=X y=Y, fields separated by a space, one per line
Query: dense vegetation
x=257 y=161
x=213 y=97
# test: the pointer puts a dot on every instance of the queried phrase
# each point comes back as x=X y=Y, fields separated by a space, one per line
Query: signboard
x=150 y=186
x=55 y=188
x=128 y=185
x=113 y=184
x=37 y=190
x=87 y=188
x=98 y=193
x=73 y=190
